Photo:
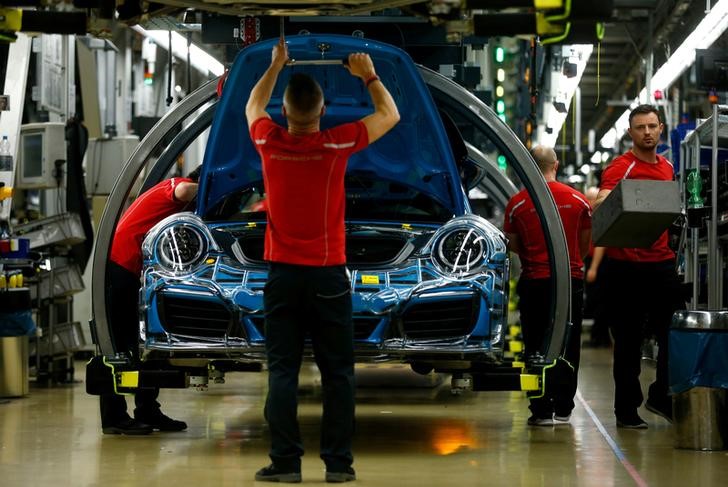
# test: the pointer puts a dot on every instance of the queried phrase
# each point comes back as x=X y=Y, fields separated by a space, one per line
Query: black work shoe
x=664 y=410
x=631 y=422
x=128 y=426
x=540 y=421
x=161 y=422
x=343 y=476
x=271 y=473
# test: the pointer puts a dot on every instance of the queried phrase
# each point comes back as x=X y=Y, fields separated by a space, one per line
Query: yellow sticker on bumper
x=369 y=279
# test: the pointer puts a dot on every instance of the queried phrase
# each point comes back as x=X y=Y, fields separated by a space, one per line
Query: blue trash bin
x=699 y=379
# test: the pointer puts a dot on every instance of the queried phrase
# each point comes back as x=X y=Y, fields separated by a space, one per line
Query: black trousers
x=642 y=298
x=303 y=301
x=123 y=298
x=535 y=303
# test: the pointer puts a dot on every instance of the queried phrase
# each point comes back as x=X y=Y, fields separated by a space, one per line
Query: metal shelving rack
x=710 y=133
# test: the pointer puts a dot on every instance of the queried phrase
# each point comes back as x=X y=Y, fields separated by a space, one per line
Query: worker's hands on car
x=360 y=65
x=279 y=56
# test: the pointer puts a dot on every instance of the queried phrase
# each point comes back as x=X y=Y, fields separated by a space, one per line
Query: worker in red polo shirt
x=308 y=287
x=641 y=284
x=526 y=238
x=124 y=270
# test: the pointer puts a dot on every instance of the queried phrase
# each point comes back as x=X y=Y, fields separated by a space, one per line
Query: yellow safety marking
x=407 y=226
x=543 y=26
x=529 y=382
x=252 y=224
x=547 y=4
x=369 y=279
x=515 y=346
x=519 y=365
x=210 y=261
x=514 y=330
x=11 y=19
x=130 y=379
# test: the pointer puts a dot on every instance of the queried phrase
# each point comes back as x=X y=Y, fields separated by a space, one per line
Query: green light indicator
x=502 y=164
x=502 y=116
x=500 y=107
x=500 y=54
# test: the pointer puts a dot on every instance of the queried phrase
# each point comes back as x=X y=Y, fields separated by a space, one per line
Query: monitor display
x=32 y=155
x=40 y=146
x=711 y=68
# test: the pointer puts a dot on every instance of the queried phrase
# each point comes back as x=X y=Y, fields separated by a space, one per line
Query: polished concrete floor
x=410 y=432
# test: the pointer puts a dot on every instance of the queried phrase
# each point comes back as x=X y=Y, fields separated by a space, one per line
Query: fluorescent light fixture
x=199 y=59
x=707 y=31
x=564 y=87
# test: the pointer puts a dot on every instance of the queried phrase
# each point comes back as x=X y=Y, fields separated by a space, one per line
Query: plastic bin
x=13 y=366
x=699 y=379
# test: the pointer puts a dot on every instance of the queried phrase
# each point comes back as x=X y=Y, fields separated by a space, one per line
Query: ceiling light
x=707 y=31
x=555 y=113
x=199 y=59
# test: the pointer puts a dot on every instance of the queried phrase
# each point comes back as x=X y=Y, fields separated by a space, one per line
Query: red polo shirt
x=304 y=182
x=147 y=210
x=628 y=166
x=521 y=219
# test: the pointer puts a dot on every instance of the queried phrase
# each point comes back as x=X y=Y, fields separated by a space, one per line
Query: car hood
x=415 y=153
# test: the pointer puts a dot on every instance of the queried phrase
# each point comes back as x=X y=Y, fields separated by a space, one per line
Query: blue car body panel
x=415 y=152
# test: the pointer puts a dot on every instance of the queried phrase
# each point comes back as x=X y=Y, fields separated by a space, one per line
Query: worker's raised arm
x=185 y=191
x=385 y=114
x=263 y=89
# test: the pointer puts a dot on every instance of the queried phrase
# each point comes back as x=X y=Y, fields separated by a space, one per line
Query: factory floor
x=411 y=431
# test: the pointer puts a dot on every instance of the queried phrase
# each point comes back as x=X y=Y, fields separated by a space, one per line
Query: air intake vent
x=364 y=326
x=432 y=320
x=196 y=317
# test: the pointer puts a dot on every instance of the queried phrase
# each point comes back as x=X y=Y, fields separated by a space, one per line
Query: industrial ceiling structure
x=630 y=40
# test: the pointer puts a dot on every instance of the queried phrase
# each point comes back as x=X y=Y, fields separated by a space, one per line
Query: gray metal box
x=636 y=213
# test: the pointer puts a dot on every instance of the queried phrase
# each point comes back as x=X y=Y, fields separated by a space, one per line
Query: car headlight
x=181 y=247
x=462 y=247
x=178 y=243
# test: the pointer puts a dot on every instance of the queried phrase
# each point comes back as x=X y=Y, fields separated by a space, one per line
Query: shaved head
x=545 y=157
x=303 y=99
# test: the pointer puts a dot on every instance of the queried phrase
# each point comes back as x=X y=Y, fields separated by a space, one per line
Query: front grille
x=449 y=318
x=364 y=326
x=195 y=317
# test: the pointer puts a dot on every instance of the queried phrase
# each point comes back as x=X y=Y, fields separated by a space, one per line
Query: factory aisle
x=410 y=432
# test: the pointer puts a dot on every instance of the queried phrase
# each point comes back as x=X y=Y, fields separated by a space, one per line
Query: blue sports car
x=429 y=276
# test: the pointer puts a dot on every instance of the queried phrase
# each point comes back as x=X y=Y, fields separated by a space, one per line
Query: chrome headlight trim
x=464 y=246
x=178 y=244
x=179 y=248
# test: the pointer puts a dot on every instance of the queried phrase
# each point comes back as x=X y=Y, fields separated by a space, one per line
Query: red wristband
x=370 y=80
